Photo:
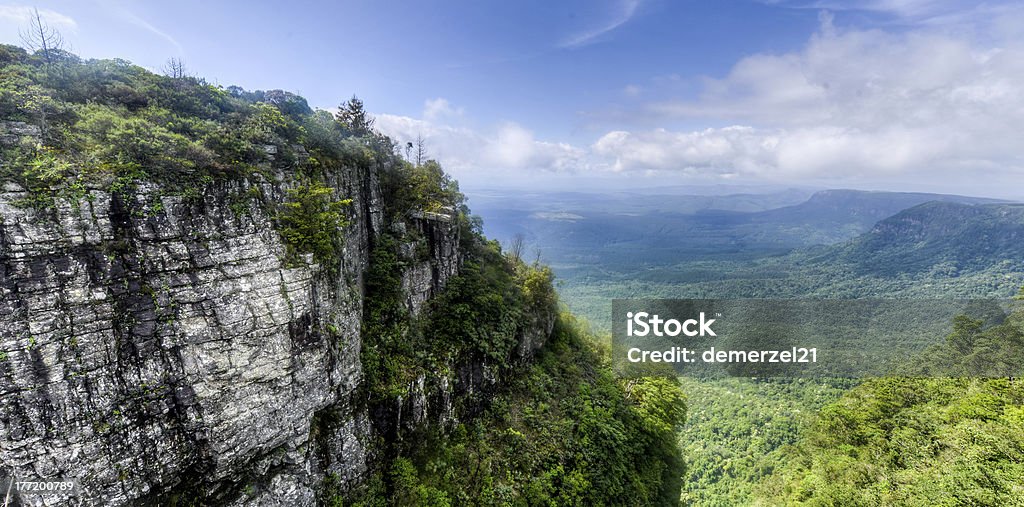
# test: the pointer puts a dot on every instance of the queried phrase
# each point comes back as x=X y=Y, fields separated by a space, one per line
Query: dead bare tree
x=515 y=247
x=41 y=37
x=421 y=150
x=175 y=68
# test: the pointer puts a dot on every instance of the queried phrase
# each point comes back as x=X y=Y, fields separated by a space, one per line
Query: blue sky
x=875 y=94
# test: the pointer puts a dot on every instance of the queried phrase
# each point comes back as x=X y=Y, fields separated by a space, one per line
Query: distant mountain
x=667 y=199
x=622 y=231
x=543 y=218
x=830 y=216
x=951 y=236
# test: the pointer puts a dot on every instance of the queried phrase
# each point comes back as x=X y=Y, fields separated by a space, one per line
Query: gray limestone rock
x=154 y=346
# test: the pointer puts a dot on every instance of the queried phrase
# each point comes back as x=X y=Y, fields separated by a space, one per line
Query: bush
x=310 y=221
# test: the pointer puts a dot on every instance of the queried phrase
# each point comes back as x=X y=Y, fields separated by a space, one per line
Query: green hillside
x=936 y=236
x=936 y=249
x=624 y=233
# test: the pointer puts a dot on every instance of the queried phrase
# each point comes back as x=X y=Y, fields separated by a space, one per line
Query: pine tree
x=352 y=115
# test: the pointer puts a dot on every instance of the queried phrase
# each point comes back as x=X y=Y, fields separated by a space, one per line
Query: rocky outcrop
x=159 y=347
x=16 y=132
x=434 y=248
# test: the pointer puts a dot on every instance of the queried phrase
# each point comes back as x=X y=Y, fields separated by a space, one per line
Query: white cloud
x=22 y=14
x=850 y=103
x=514 y=147
x=720 y=149
x=632 y=90
x=924 y=104
x=624 y=11
x=439 y=108
x=507 y=147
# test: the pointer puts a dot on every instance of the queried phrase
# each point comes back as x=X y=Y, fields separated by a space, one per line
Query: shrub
x=311 y=221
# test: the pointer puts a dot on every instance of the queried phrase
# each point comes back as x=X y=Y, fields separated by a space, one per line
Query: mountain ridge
x=962 y=236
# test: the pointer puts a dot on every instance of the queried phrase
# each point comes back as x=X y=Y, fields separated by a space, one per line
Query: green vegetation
x=309 y=222
x=558 y=430
x=107 y=125
x=423 y=188
x=482 y=310
x=741 y=432
x=103 y=119
x=562 y=431
x=535 y=426
x=912 y=442
x=919 y=441
x=736 y=429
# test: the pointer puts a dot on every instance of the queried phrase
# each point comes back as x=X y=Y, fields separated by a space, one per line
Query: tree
x=421 y=150
x=515 y=247
x=352 y=115
x=311 y=222
x=41 y=37
x=965 y=330
x=175 y=68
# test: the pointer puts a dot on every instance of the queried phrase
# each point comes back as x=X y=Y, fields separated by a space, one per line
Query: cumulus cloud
x=864 y=102
x=514 y=147
x=439 y=108
x=465 y=151
x=722 y=149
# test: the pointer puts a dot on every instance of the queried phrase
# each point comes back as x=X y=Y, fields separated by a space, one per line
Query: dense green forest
x=737 y=429
x=909 y=442
x=564 y=432
x=943 y=440
x=953 y=438
x=559 y=429
x=904 y=441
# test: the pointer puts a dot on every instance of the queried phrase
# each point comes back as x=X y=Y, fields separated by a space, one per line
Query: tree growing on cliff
x=421 y=150
x=311 y=221
x=175 y=68
x=515 y=247
x=40 y=37
x=353 y=116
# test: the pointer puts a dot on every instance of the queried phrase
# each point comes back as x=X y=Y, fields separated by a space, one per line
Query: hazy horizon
x=720 y=189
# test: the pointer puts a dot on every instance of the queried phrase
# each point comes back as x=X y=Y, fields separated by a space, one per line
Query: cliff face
x=160 y=347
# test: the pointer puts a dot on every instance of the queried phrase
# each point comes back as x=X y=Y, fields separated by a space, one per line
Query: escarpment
x=157 y=346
